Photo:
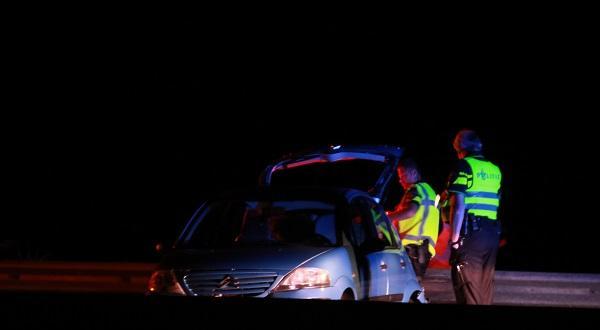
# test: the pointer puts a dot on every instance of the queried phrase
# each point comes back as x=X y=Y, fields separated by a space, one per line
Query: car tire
x=414 y=298
x=347 y=295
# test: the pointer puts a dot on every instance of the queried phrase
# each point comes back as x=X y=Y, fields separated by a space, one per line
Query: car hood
x=283 y=258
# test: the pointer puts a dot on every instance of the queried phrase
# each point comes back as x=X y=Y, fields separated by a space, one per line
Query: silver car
x=305 y=243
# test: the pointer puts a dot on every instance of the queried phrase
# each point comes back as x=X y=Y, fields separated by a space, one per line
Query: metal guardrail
x=512 y=288
x=109 y=277
x=525 y=288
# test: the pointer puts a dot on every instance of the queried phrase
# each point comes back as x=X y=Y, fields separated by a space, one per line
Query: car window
x=373 y=222
x=382 y=224
x=264 y=222
x=356 y=229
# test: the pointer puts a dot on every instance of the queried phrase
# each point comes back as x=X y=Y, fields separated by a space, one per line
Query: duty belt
x=474 y=223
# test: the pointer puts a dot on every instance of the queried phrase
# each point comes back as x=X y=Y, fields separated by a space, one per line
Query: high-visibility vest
x=483 y=186
x=425 y=223
x=381 y=225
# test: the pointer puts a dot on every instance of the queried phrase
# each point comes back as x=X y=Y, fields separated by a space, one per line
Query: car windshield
x=357 y=174
x=258 y=222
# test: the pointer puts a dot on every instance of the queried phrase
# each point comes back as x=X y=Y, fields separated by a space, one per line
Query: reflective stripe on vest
x=481 y=197
x=425 y=223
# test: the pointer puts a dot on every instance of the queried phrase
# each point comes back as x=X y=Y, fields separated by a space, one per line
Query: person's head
x=466 y=142
x=408 y=173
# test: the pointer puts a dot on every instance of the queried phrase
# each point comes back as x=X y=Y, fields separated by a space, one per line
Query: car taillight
x=164 y=282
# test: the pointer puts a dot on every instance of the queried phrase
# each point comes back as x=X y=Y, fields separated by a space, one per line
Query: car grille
x=238 y=283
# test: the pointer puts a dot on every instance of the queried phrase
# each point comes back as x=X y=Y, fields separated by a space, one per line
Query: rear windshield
x=357 y=174
x=241 y=223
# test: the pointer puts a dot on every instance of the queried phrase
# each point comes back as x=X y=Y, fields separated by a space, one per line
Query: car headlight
x=164 y=282
x=305 y=277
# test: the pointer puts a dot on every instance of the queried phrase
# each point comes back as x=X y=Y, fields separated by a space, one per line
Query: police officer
x=416 y=217
x=474 y=187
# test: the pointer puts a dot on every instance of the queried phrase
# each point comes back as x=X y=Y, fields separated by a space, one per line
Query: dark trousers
x=473 y=265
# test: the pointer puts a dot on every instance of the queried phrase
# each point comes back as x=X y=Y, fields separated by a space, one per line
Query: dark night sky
x=142 y=117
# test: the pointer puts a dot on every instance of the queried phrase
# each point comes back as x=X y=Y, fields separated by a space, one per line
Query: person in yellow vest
x=416 y=217
x=474 y=187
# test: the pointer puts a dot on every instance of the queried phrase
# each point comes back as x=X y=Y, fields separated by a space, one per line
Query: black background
x=123 y=123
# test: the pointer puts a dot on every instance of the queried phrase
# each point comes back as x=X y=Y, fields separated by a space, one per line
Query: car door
x=386 y=264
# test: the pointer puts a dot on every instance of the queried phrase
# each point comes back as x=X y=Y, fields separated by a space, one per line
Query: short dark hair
x=467 y=140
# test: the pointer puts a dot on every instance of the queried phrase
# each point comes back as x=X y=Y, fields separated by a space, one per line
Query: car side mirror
x=372 y=245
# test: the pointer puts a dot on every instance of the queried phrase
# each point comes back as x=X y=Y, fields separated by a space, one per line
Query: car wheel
x=414 y=297
x=347 y=295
